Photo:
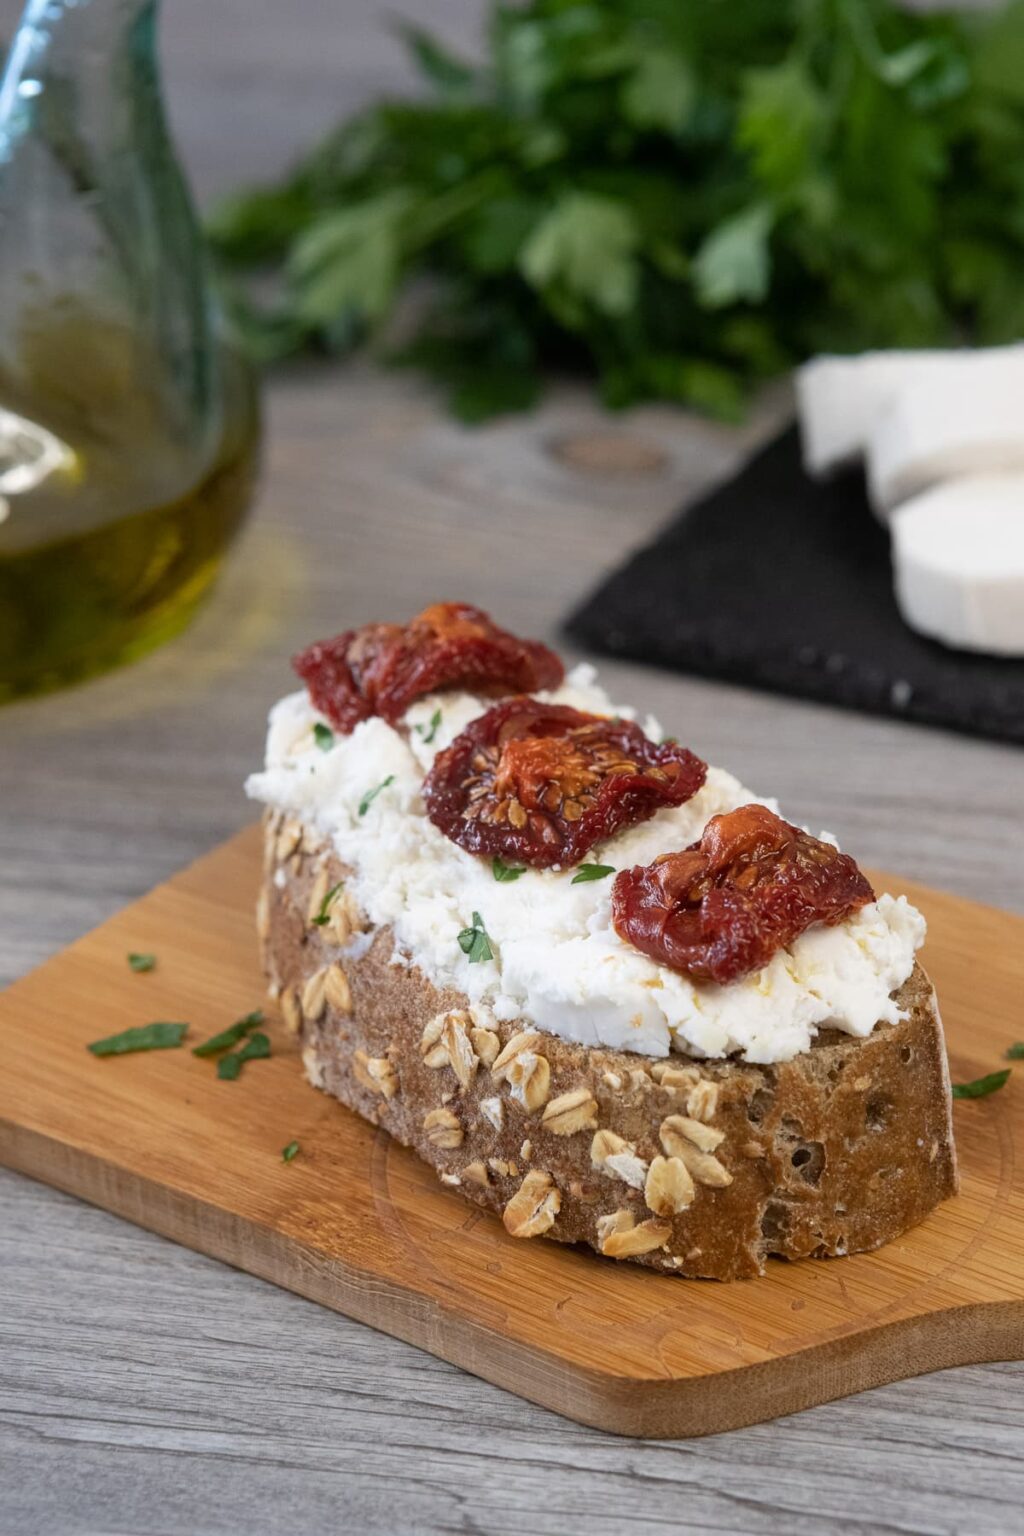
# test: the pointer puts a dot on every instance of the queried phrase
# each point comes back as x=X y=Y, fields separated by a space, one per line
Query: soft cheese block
x=958 y=556
x=841 y=399
x=948 y=425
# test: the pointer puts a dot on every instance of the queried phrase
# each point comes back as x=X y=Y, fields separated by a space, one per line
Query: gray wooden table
x=144 y=1389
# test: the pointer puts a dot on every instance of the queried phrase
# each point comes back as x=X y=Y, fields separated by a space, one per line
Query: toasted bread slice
x=697 y=1168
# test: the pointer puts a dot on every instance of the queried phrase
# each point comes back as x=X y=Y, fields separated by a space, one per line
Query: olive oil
x=114 y=517
x=128 y=427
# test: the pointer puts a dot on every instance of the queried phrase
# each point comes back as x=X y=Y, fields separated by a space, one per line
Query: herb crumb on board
x=981 y=1087
x=159 y=1036
x=230 y=1036
x=256 y=1048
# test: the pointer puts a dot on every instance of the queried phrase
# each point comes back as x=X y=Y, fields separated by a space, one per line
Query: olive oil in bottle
x=128 y=425
x=111 y=530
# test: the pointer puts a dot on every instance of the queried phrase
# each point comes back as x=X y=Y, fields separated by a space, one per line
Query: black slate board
x=780 y=582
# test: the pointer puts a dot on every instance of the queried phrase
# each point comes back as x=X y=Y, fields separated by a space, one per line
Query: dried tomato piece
x=542 y=783
x=381 y=669
x=725 y=905
x=339 y=672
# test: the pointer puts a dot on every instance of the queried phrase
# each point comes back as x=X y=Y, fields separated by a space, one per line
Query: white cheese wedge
x=958 y=557
x=840 y=399
x=968 y=422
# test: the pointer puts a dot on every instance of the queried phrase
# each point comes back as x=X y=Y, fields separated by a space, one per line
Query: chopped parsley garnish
x=428 y=732
x=475 y=942
x=371 y=794
x=323 y=917
x=138 y=962
x=256 y=1048
x=289 y=1152
x=981 y=1086
x=144 y=1037
x=323 y=736
x=230 y=1036
x=1016 y=1051
x=587 y=872
x=506 y=873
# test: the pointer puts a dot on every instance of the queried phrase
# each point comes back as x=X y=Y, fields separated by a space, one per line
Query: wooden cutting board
x=359 y=1224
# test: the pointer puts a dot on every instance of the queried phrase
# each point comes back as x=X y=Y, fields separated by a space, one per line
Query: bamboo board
x=359 y=1224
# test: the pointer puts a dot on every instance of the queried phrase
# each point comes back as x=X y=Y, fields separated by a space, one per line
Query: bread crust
x=703 y=1169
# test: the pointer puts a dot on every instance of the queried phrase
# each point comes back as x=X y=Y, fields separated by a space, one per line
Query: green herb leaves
x=162 y=1037
x=371 y=794
x=733 y=264
x=661 y=91
x=347 y=261
x=144 y=1037
x=683 y=199
x=137 y=962
x=323 y=736
x=588 y=872
x=323 y=917
x=290 y=1152
x=981 y=1087
x=256 y=1048
x=428 y=732
x=584 y=253
x=475 y=943
x=230 y=1036
x=506 y=873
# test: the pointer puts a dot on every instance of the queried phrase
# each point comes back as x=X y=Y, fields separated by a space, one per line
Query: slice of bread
x=703 y=1169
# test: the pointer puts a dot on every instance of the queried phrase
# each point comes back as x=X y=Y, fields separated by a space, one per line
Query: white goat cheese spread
x=557 y=961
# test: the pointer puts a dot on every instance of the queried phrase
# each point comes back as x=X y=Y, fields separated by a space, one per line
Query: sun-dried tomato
x=725 y=905
x=381 y=669
x=542 y=783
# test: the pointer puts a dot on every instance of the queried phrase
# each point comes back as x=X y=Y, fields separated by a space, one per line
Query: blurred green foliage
x=680 y=197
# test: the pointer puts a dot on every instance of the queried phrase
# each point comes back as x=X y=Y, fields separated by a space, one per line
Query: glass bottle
x=128 y=423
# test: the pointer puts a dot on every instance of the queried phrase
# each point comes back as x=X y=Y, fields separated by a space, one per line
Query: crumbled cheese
x=558 y=962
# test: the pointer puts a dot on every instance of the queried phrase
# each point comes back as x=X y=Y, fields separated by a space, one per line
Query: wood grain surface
x=162 y=1392
x=358 y=1223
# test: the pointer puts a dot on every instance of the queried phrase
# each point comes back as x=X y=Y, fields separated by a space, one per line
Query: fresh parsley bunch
x=681 y=197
